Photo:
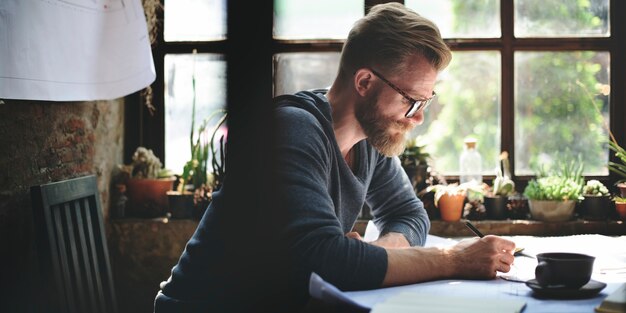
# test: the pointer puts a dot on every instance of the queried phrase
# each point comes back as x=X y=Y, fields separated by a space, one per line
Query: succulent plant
x=502 y=184
x=619 y=199
x=452 y=190
x=147 y=165
x=518 y=207
x=620 y=153
x=595 y=188
x=564 y=182
x=474 y=208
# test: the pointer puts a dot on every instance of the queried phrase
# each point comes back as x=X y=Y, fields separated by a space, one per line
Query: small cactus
x=595 y=188
x=145 y=164
x=502 y=184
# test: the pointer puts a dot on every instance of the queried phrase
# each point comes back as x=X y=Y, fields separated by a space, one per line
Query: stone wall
x=143 y=252
x=42 y=142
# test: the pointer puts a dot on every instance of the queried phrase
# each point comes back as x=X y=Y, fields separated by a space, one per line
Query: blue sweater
x=322 y=197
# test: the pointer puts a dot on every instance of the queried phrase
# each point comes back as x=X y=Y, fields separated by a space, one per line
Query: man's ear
x=363 y=81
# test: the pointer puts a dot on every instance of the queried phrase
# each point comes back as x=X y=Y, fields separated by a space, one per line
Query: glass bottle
x=470 y=163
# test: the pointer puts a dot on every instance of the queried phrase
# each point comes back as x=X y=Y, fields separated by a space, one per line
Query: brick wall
x=42 y=142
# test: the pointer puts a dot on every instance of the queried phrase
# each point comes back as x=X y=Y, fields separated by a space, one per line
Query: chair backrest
x=72 y=248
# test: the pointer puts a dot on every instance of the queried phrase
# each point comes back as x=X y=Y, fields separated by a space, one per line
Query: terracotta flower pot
x=147 y=197
x=451 y=207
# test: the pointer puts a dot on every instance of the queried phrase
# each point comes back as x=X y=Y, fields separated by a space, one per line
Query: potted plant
x=620 y=207
x=415 y=163
x=474 y=208
x=596 y=202
x=620 y=153
x=552 y=197
x=146 y=184
x=619 y=168
x=449 y=199
x=497 y=198
x=198 y=180
x=517 y=206
x=195 y=185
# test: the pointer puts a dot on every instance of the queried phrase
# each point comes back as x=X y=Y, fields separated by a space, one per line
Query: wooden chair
x=72 y=248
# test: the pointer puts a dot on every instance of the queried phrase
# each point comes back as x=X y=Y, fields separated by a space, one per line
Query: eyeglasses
x=416 y=105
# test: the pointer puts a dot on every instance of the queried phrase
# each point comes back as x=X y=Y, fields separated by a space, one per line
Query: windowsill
x=441 y=228
x=521 y=227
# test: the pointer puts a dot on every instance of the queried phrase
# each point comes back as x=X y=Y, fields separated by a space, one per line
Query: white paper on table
x=73 y=50
x=371 y=232
x=610 y=253
x=429 y=302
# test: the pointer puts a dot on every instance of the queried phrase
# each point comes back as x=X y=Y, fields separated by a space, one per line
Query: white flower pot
x=552 y=210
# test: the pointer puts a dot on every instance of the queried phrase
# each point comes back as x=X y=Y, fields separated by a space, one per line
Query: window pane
x=468 y=104
x=210 y=73
x=194 y=20
x=301 y=71
x=557 y=18
x=319 y=19
x=555 y=117
x=461 y=18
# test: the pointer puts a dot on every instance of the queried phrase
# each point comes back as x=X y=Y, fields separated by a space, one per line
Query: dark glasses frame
x=416 y=105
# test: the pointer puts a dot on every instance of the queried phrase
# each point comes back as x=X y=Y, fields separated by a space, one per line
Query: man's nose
x=418 y=118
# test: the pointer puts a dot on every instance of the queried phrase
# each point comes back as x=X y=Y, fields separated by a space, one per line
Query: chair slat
x=75 y=269
x=73 y=253
x=93 y=254
x=87 y=270
x=68 y=295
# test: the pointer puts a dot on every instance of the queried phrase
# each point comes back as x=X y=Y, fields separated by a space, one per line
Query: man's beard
x=383 y=133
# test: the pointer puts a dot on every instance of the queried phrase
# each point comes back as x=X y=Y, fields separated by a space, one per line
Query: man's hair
x=387 y=36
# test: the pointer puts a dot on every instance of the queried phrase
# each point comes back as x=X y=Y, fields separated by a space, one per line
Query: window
x=524 y=78
x=549 y=81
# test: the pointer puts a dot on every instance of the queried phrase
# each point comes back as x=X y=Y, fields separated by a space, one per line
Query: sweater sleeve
x=313 y=231
x=395 y=207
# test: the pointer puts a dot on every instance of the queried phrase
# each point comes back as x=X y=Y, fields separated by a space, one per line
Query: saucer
x=592 y=288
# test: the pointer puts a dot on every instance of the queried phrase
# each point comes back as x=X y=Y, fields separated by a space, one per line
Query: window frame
x=143 y=128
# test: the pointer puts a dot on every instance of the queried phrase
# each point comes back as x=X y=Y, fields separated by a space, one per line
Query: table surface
x=609 y=267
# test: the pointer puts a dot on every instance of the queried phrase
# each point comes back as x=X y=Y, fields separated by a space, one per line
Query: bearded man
x=337 y=151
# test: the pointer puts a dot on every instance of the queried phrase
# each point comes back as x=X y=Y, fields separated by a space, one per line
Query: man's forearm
x=477 y=258
x=392 y=240
x=407 y=266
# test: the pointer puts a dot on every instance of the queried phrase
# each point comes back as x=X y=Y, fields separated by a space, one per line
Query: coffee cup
x=560 y=269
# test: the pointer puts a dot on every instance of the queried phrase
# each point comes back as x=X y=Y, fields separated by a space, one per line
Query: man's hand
x=354 y=235
x=477 y=258
x=480 y=258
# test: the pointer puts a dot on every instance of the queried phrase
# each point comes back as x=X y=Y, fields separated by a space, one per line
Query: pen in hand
x=474 y=229
x=518 y=251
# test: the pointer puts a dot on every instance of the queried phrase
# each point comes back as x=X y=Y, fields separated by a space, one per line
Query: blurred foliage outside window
x=479 y=18
x=554 y=112
x=554 y=18
x=318 y=19
x=468 y=104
